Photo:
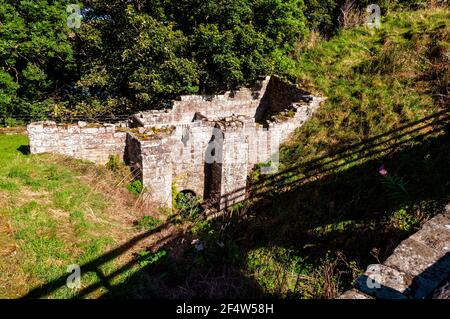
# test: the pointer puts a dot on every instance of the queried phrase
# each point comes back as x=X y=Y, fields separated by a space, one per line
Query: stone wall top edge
x=80 y=124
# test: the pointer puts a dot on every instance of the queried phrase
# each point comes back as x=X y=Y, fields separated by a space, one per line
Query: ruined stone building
x=204 y=144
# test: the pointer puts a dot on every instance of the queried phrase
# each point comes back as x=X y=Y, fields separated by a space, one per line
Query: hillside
x=369 y=168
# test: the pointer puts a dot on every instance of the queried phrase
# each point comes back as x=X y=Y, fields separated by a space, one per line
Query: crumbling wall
x=245 y=101
x=281 y=95
x=252 y=122
x=89 y=142
x=416 y=269
x=188 y=156
x=150 y=159
x=229 y=170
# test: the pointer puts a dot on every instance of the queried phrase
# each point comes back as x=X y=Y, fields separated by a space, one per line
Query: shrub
x=136 y=187
x=114 y=163
x=188 y=205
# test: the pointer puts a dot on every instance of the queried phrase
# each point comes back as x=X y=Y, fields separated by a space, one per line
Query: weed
x=115 y=164
x=148 y=223
x=136 y=187
x=188 y=205
x=146 y=258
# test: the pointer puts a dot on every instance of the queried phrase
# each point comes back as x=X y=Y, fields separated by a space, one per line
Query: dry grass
x=56 y=211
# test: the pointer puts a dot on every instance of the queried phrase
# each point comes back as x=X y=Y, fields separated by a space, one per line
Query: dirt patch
x=13 y=130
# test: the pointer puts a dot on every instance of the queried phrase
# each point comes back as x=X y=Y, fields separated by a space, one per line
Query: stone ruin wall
x=247 y=118
x=417 y=269
x=245 y=101
x=150 y=161
x=82 y=141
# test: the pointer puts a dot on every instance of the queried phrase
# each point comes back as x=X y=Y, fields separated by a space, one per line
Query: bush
x=114 y=163
x=188 y=205
x=136 y=187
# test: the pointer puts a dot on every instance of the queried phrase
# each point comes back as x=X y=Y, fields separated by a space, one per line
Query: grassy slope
x=374 y=80
x=333 y=225
x=54 y=212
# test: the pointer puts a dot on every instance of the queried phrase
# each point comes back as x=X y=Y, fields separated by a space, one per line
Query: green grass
x=340 y=214
x=149 y=223
x=309 y=233
x=52 y=216
x=374 y=80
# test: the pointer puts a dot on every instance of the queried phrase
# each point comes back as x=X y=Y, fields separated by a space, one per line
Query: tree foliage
x=36 y=55
x=136 y=54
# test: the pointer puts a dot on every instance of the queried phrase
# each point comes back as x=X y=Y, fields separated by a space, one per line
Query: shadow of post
x=317 y=174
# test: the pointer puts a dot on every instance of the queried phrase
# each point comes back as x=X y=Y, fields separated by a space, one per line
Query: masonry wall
x=89 y=142
x=150 y=159
x=287 y=122
x=281 y=95
x=189 y=167
x=252 y=120
x=250 y=102
x=230 y=174
x=416 y=268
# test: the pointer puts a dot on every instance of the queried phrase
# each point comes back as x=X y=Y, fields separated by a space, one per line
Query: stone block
x=382 y=282
x=412 y=257
x=427 y=281
x=435 y=234
x=354 y=294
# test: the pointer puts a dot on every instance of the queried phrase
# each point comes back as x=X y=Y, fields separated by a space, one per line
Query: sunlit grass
x=52 y=216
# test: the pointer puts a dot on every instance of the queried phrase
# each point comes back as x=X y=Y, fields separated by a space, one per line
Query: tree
x=36 y=55
x=133 y=55
x=153 y=50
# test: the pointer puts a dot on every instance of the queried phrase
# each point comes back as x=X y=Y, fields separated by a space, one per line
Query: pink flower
x=382 y=170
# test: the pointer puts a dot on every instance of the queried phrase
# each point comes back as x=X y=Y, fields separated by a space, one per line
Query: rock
x=435 y=234
x=354 y=294
x=412 y=257
x=418 y=268
x=383 y=282
x=443 y=292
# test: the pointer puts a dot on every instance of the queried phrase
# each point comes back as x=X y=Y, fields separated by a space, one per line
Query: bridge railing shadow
x=319 y=167
x=329 y=163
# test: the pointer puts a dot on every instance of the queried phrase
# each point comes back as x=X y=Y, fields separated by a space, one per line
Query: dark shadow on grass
x=327 y=208
x=24 y=149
